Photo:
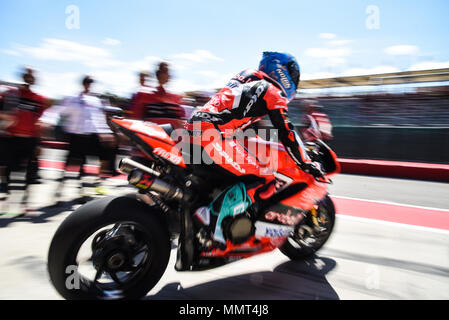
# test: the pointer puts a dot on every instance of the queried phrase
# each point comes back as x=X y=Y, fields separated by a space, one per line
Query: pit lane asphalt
x=364 y=259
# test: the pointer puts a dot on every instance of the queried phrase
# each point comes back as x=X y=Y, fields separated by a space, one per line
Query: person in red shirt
x=156 y=103
x=22 y=107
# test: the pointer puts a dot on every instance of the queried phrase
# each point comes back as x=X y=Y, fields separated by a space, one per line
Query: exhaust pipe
x=127 y=165
x=146 y=179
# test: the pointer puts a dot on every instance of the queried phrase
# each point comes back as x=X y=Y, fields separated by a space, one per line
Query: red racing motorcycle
x=119 y=247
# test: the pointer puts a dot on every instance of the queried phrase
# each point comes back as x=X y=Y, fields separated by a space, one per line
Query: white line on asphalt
x=394 y=224
x=391 y=203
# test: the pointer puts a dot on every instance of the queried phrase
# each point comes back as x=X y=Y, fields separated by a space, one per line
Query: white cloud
x=317 y=75
x=146 y=63
x=197 y=56
x=111 y=42
x=64 y=50
x=368 y=71
x=111 y=74
x=328 y=52
x=401 y=50
x=121 y=81
x=213 y=81
x=340 y=42
x=334 y=61
x=189 y=62
x=58 y=85
x=331 y=56
x=208 y=73
x=10 y=52
x=327 y=36
x=220 y=80
x=427 y=65
x=114 y=75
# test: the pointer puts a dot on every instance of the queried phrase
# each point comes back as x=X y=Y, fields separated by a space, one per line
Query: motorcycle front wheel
x=111 y=248
x=311 y=234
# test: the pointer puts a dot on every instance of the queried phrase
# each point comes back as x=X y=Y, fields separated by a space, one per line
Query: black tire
x=89 y=218
x=295 y=250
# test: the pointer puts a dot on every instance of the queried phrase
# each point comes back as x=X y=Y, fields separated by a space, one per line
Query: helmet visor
x=293 y=70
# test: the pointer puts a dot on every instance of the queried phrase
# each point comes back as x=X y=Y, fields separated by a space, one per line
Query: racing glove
x=288 y=136
x=313 y=168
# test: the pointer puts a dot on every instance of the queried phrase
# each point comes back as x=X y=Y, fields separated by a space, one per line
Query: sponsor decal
x=203 y=214
x=232 y=84
x=215 y=101
x=254 y=98
x=243 y=155
x=282 y=181
x=284 y=218
x=228 y=158
x=240 y=77
x=283 y=78
x=146 y=182
x=199 y=115
x=167 y=155
x=28 y=107
x=264 y=229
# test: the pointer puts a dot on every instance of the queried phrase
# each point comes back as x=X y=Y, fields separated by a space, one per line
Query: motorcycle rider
x=246 y=98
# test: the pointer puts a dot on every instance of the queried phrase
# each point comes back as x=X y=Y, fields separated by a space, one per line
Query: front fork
x=314 y=213
x=317 y=220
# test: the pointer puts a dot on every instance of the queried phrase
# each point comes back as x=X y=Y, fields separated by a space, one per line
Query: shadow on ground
x=42 y=215
x=293 y=280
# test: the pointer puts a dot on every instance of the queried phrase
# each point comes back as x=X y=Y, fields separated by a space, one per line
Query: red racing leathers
x=155 y=103
x=247 y=97
x=22 y=135
x=26 y=107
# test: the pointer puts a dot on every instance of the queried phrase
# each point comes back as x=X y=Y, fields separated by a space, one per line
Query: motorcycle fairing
x=151 y=139
x=281 y=214
x=255 y=245
x=286 y=172
x=298 y=192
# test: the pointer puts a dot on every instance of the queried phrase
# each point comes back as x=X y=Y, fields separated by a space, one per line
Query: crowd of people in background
x=83 y=122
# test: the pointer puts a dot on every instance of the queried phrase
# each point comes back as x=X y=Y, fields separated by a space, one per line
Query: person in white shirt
x=85 y=126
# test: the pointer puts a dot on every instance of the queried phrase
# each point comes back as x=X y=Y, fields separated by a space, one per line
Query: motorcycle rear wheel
x=308 y=238
x=126 y=266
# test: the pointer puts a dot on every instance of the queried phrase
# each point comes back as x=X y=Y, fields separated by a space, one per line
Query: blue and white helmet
x=284 y=69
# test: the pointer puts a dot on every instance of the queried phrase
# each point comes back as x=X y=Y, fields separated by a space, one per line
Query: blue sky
x=209 y=41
